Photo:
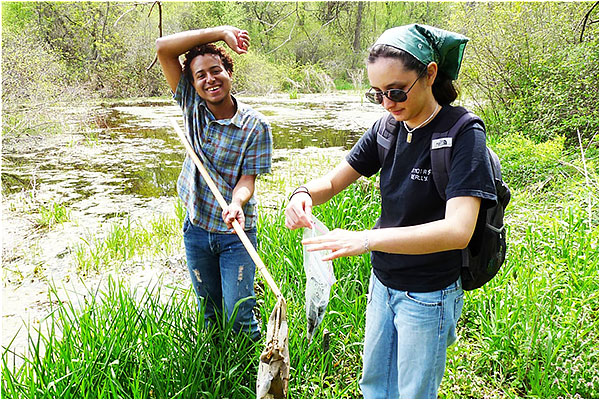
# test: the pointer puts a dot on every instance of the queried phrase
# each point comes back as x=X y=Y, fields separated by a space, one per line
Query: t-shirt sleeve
x=258 y=155
x=470 y=170
x=363 y=156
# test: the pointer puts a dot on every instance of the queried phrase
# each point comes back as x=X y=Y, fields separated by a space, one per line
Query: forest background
x=531 y=72
x=529 y=67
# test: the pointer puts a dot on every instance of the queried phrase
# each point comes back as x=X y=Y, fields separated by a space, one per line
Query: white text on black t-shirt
x=420 y=174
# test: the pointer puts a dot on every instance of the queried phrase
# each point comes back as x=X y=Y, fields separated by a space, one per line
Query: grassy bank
x=531 y=332
x=119 y=343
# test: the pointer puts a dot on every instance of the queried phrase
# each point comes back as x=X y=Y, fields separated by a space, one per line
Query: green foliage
x=119 y=343
x=525 y=163
x=528 y=70
x=342 y=84
x=17 y=16
x=253 y=73
x=52 y=215
x=31 y=72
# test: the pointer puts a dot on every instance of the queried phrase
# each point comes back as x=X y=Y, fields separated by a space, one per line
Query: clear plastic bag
x=319 y=280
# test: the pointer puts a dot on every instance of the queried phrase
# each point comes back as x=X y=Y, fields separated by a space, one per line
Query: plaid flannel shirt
x=228 y=149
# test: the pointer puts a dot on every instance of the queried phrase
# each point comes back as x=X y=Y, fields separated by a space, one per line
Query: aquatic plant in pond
x=52 y=215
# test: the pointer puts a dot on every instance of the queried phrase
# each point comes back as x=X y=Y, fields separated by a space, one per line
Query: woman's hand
x=233 y=212
x=298 y=213
x=340 y=242
x=238 y=40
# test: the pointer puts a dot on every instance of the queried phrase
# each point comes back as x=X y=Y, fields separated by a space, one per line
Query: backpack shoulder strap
x=387 y=133
x=441 y=148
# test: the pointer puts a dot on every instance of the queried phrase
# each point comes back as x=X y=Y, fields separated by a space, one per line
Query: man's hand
x=238 y=40
x=233 y=212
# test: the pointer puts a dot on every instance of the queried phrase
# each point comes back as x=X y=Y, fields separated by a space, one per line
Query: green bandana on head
x=428 y=44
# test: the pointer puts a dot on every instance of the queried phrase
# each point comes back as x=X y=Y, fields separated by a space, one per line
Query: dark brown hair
x=443 y=89
x=203 y=49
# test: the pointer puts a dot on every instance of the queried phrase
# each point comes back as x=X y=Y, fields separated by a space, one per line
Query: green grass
x=118 y=343
x=532 y=332
x=127 y=240
x=52 y=215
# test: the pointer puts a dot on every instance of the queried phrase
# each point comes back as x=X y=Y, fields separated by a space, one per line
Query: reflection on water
x=300 y=137
x=130 y=149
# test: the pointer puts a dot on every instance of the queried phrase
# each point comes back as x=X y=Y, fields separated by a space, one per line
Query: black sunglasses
x=396 y=95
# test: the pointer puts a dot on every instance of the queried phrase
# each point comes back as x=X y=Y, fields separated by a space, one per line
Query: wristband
x=300 y=189
x=366 y=243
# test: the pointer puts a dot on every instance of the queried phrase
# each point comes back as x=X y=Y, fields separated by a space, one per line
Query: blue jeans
x=406 y=337
x=222 y=274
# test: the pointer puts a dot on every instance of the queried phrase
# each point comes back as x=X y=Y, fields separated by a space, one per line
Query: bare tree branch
x=160 y=32
x=124 y=14
x=585 y=21
x=273 y=26
x=288 y=39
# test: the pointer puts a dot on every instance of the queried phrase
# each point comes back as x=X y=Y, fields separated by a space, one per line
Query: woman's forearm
x=324 y=188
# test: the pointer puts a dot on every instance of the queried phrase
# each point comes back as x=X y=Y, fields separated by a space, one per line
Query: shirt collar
x=235 y=120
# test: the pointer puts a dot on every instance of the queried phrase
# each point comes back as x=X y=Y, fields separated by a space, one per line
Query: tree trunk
x=357 y=29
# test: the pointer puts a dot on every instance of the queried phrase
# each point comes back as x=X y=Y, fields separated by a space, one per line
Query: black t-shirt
x=409 y=196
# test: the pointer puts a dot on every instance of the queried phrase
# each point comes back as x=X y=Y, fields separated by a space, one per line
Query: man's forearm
x=178 y=43
x=243 y=190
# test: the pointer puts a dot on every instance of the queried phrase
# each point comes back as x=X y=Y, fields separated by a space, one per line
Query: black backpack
x=485 y=253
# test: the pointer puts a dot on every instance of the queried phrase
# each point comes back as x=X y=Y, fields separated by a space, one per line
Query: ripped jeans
x=222 y=273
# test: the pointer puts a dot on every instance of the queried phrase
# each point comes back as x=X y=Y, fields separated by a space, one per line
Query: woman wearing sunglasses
x=415 y=295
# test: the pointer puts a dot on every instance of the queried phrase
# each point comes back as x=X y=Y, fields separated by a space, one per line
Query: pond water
x=136 y=151
x=124 y=161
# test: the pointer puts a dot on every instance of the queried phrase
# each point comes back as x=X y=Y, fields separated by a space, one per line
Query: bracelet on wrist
x=366 y=242
x=300 y=189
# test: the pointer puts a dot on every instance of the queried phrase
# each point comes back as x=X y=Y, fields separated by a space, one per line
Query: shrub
x=253 y=73
x=525 y=162
x=530 y=71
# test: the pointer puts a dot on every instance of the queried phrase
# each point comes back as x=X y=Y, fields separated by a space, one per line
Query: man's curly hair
x=206 y=49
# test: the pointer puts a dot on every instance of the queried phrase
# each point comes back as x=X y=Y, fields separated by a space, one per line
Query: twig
x=124 y=14
x=585 y=21
x=288 y=39
x=323 y=26
x=160 y=32
x=273 y=26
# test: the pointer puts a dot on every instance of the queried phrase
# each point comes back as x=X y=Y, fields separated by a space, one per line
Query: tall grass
x=119 y=343
x=531 y=332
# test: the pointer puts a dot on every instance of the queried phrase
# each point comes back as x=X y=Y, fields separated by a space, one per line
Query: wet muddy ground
x=121 y=160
